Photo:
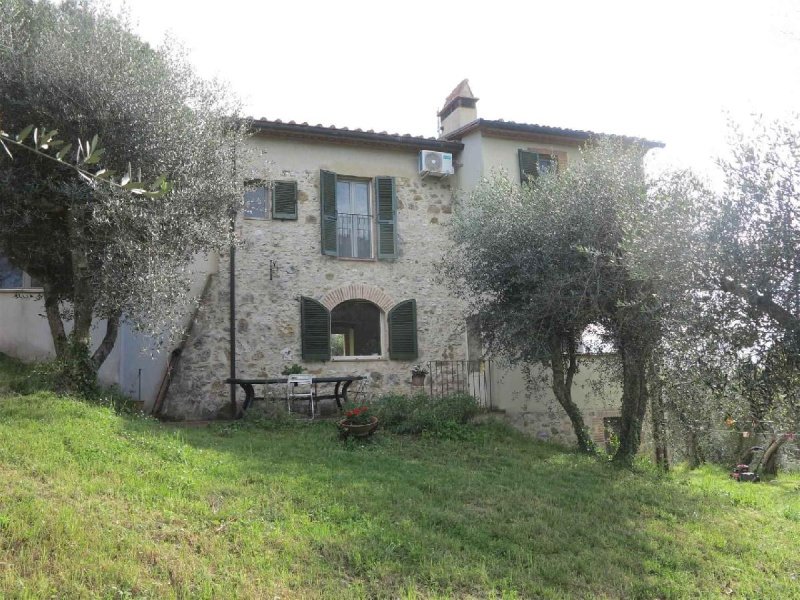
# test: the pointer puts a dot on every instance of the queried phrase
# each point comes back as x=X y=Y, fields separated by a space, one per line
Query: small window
x=12 y=278
x=255 y=202
x=356 y=329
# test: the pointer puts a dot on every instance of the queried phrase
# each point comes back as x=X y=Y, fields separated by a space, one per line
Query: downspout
x=232 y=297
x=232 y=306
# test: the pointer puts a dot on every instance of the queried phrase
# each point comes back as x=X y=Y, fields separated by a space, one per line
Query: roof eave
x=353 y=137
x=501 y=128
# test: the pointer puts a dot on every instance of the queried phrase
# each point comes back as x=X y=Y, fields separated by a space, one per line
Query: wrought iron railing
x=355 y=235
x=473 y=377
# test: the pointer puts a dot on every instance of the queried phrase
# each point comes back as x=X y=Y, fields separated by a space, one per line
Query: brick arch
x=358 y=291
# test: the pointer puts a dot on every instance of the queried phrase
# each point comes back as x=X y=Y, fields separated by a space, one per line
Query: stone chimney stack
x=459 y=109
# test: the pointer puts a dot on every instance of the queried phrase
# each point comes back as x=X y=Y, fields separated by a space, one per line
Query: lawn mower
x=743 y=472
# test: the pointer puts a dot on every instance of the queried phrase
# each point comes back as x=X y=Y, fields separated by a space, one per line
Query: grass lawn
x=94 y=504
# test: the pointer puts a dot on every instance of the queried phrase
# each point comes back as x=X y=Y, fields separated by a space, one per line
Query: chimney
x=459 y=109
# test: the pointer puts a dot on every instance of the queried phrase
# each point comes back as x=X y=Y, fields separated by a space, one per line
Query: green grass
x=97 y=504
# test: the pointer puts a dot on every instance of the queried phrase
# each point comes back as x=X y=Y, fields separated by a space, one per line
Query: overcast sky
x=665 y=70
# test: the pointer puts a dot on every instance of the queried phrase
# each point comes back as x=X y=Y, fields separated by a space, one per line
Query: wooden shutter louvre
x=315 y=330
x=386 y=202
x=284 y=200
x=327 y=207
x=528 y=166
x=403 y=331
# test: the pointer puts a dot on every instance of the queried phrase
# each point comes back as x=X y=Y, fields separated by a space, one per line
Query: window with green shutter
x=357 y=223
x=533 y=164
x=284 y=200
x=402 y=320
x=315 y=330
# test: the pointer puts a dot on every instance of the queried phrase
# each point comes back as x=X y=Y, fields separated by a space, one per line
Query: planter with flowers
x=358 y=422
x=418 y=373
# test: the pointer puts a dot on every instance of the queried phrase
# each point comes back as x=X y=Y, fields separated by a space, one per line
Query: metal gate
x=473 y=377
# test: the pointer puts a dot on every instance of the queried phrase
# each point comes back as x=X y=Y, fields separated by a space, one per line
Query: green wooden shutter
x=386 y=201
x=327 y=207
x=315 y=330
x=528 y=166
x=284 y=200
x=403 y=331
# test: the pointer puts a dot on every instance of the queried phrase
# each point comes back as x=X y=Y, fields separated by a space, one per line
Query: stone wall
x=268 y=309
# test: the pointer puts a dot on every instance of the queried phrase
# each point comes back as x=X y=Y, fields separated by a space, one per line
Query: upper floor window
x=353 y=219
x=255 y=202
x=282 y=193
x=358 y=217
x=532 y=164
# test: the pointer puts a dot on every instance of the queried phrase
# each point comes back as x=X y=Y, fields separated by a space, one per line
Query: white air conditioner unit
x=437 y=164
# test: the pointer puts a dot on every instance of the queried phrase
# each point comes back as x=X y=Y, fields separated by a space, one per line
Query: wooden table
x=343 y=383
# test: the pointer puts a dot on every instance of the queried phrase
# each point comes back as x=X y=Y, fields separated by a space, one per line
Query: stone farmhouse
x=341 y=231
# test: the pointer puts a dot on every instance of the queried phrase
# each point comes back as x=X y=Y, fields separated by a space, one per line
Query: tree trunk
x=54 y=321
x=635 y=358
x=658 y=420
x=769 y=463
x=562 y=388
x=82 y=298
x=696 y=457
x=78 y=371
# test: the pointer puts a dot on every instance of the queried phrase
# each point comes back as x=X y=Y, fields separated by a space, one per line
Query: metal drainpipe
x=232 y=302
x=232 y=293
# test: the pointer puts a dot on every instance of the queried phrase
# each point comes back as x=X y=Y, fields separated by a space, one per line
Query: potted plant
x=295 y=369
x=418 y=373
x=358 y=422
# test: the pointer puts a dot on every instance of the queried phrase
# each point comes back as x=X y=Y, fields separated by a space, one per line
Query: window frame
x=251 y=185
x=382 y=328
x=372 y=214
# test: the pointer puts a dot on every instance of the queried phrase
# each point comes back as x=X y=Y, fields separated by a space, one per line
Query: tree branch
x=109 y=339
x=761 y=303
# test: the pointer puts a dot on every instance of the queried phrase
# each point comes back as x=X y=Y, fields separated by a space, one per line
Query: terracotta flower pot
x=418 y=379
x=358 y=430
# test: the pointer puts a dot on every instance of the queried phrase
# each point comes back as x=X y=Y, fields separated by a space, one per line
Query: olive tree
x=539 y=263
x=98 y=250
x=734 y=351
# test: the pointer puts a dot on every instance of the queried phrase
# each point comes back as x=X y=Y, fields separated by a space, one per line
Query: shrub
x=421 y=413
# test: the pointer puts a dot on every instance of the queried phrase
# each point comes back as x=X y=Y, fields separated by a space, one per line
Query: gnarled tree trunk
x=636 y=347
x=564 y=369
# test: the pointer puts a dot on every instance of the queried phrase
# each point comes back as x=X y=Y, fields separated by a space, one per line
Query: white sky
x=665 y=70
